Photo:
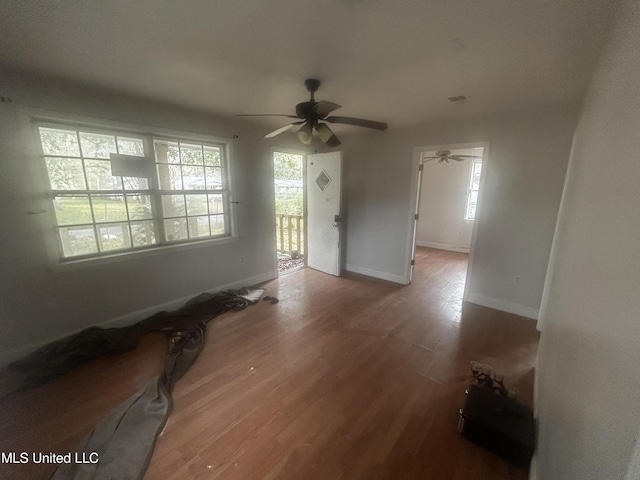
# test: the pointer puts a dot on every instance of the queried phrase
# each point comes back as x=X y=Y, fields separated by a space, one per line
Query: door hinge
x=413 y=262
x=421 y=167
x=416 y=217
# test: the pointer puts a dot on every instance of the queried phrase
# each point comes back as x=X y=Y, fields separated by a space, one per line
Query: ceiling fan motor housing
x=303 y=110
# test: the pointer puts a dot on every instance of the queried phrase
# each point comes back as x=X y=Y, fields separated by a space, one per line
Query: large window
x=97 y=213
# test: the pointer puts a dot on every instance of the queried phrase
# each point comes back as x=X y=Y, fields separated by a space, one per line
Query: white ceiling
x=389 y=61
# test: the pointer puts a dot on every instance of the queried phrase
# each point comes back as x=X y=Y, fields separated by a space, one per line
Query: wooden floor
x=345 y=378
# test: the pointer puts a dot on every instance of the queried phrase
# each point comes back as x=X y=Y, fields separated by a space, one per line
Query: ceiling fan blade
x=461 y=158
x=359 y=122
x=267 y=115
x=327 y=135
x=282 y=129
x=322 y=108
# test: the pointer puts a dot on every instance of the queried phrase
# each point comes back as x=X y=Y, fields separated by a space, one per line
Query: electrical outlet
x=516 y=279
x=241 y=259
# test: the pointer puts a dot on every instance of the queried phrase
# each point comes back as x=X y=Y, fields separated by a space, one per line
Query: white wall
x=525 y=172
x=443 y=204
x=38 y=303
x=588 y=376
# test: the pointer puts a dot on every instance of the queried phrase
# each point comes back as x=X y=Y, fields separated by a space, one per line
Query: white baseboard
x=9 y=356
x=442 y=246
x=503 y=306
x=375 y=273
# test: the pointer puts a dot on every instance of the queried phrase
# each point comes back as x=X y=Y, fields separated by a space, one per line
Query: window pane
x=191 y=154
x=166 y=152
x=193 y=177
x=196 y=204
x=65 y=173
x=170 y=177
x=135 y=183
x=175 y=229
x=214 y=178
x=216 y=204
x=217 y=224
x=78 y=240
x=72 y=209
x=109 y=208
x=198 y=226
x=95 y=145
x=139 y=207
x=471 y=205
x=173 y=206
x=475 y=177
x=114 y=237
x=130 y=146
x=143 y=233
x=212 y=156
x=59 y=142
x=99 y=176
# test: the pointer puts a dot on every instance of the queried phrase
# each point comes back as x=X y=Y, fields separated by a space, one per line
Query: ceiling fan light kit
x=313 y=115
x=305 y=134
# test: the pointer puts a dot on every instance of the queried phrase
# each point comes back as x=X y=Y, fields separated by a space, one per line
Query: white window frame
x=470 y=190
x=31 y=119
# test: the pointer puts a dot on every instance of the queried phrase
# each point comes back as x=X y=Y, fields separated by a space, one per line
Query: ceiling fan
x=445 y=156
x=312 y=116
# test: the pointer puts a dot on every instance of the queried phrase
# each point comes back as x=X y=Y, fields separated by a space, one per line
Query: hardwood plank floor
x=345 y=378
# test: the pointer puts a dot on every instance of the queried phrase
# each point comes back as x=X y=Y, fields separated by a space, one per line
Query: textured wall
x=588 y=380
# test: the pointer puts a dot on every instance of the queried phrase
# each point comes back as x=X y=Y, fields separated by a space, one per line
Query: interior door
x=324 y=190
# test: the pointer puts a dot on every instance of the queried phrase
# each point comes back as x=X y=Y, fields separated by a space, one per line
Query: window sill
x=71 y=264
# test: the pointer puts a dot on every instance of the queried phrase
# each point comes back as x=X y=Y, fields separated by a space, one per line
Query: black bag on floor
x=499 y=424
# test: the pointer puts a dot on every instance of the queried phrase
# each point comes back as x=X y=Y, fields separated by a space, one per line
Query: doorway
x=289 y=187
x=446 y=201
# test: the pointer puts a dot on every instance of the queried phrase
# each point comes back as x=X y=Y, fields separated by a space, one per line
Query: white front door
x=324 y=188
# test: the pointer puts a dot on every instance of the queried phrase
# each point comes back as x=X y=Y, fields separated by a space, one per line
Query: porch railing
x=290 y=234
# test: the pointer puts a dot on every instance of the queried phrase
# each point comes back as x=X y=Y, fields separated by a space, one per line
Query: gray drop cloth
x=125 y=438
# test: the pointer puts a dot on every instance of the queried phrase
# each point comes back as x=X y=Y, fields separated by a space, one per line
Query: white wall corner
x=503 y=306
x=14 y=354
x=533 y=468
x=377 y=274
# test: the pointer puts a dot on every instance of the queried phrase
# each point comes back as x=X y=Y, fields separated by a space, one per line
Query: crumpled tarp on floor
x=125 y=438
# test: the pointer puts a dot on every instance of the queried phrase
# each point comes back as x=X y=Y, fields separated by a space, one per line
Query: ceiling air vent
x=459 y=98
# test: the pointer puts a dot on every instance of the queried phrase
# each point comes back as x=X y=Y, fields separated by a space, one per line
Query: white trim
x=16 y=353
x=474 y=231
x=72 y=264
x=29 y=118
x=304 y=154
x=442 y=246
x=410 y=245
x=376 y=274
x=503 y=306
x=44 y=115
